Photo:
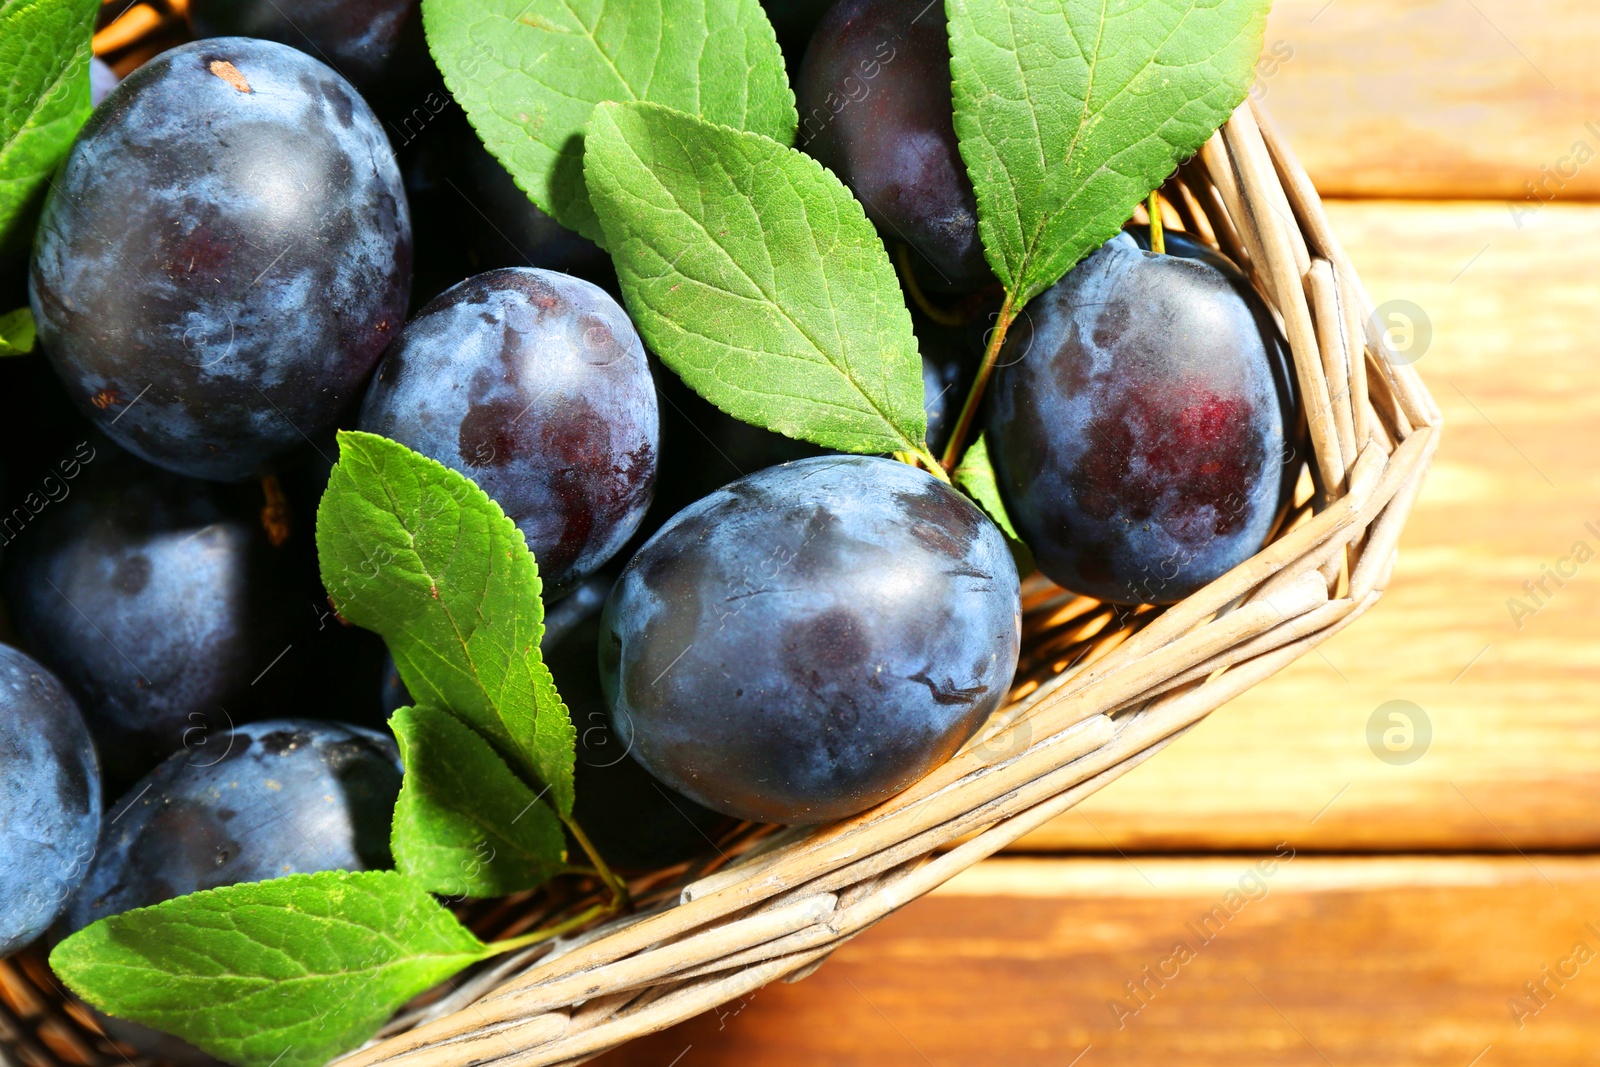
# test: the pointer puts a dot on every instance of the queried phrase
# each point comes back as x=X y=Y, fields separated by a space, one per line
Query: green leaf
x=1070 y=112
x=16 y=332
x=290 y=972
x=975 y=476
x=465 y=825
x=754 y=274
x=420 y=554
x=529 y=72
x=44 y=98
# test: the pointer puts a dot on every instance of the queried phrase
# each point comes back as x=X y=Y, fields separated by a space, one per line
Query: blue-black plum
x=159 y=601
x=875 y=107
x=223 y=257
x=811 y=639
x=534 y=385
x=370 y=42
x=1142 y=425
x=49 y=799
x=633 y=820
x=264 y=800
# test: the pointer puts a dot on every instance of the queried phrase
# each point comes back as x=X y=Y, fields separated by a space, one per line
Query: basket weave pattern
x=1100 y=690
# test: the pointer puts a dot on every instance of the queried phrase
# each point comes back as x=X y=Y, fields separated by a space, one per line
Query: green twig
x=1158 y=236
x=991 y=355
x=619 y=889
x=619 y=898
x=547 y=933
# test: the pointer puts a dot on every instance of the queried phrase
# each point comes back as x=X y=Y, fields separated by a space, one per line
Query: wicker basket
x=1100 y=690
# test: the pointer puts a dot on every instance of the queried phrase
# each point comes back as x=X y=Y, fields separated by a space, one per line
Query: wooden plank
x=1516 y=741
x=1438 y=98
x=1346 y=961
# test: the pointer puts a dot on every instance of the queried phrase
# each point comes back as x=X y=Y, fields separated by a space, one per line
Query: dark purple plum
x=49 y=799
x=875 y=108
x=1142 y=425
x=370 y=42
x=535 y=386
x=811 y=639
x=223 y=257
x=262 y=801
x=159 y=601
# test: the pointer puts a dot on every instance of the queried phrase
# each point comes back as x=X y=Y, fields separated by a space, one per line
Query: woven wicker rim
x=1100 y=691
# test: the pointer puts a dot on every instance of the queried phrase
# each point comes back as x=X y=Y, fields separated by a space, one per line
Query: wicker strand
x=1330 y=327
x=1209 y=200
x=1293 y=630
x=1383 y=539
x=1225 y=183
x=1396 y=425
x=1282 y=260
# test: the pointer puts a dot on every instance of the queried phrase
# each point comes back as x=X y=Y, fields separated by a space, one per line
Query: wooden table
x=1442 y=912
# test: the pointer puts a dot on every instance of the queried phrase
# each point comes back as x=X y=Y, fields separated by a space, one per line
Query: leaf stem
x=546 y=933
x=1158 y=236
x=922 y=459
x=908 y=279
x=991 y=355
x=619 y=899
x=619 y=888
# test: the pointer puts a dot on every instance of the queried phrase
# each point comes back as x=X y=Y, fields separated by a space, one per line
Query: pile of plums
x=222 y=277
